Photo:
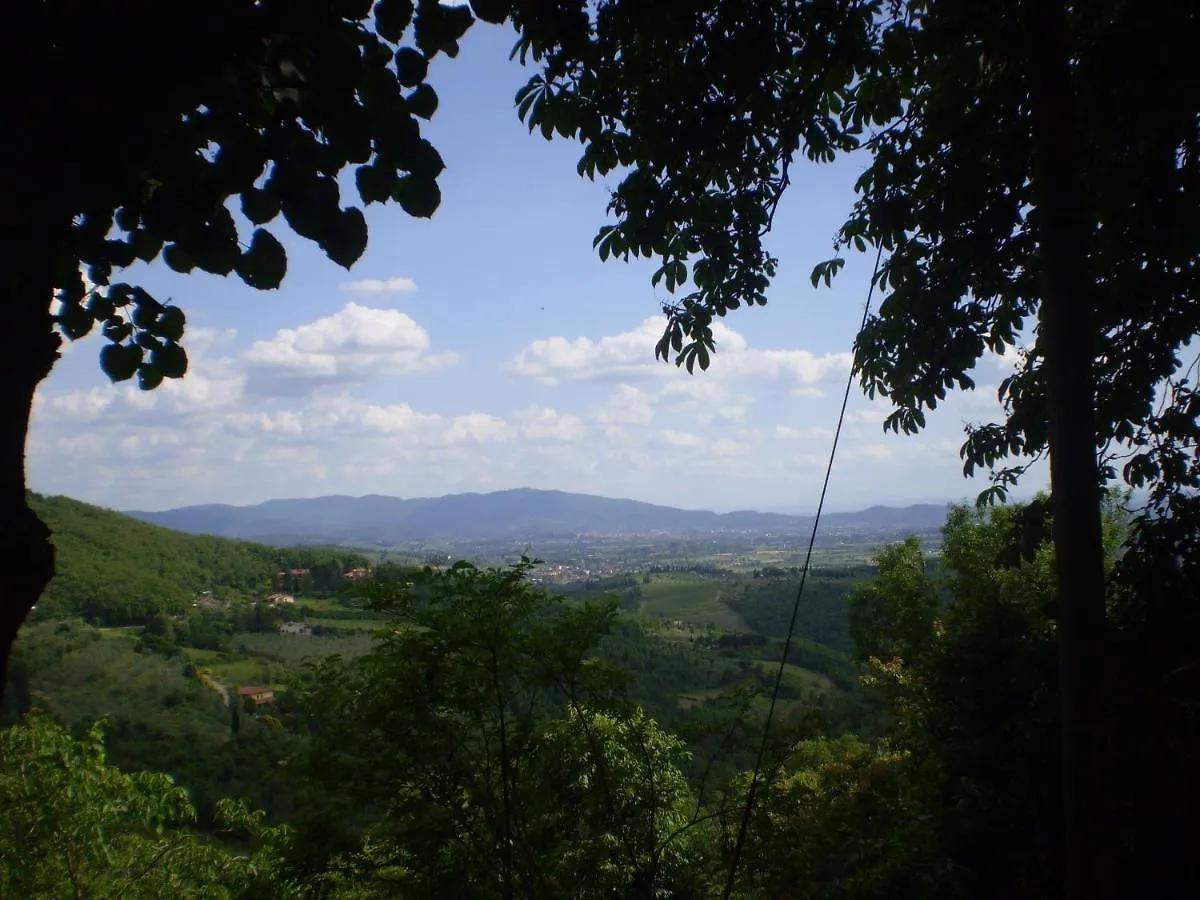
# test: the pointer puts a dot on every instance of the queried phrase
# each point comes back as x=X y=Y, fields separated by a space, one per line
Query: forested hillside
x=608 y=746
x=158 y=716
x=115 y=570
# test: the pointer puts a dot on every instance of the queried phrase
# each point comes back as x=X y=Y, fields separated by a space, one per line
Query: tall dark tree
x=1021 y=182
x=132 y=135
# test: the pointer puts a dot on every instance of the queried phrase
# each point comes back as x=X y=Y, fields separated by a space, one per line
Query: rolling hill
x=376 y=520
x=114 y=570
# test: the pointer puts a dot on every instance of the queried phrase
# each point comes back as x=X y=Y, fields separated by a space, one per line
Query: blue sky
x=490 y=348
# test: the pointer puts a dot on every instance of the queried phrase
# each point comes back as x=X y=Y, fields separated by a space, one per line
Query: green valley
x=156 y=631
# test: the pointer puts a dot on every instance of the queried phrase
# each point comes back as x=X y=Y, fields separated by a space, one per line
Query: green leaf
x=146 y=309
x=355 y=10
x=171 y=323
x=116 y=330
x=392 y=17
x=311 y=207
x=149 y=377
x=423 y=160
x=493 y=12
x=662 y=350
x=423 y=102
x=260 y=206
x=120 y=361
x=147 y=340
x=99 y=272
x=74 y=320
x=126 y=219
x=146 y=245
x=417 y=196
x=72 y=289
x=264 y=264
x=100 y=307
x=411 y=66
x=119 y=253
x=439 y=27
x=120 y=294
x=396 y=134
x=375 y=182
x=216 y=252
x=178 y=259
x=171 y=360
x=347 y=239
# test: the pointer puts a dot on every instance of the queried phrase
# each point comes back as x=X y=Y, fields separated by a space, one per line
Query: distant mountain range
x=520 y=514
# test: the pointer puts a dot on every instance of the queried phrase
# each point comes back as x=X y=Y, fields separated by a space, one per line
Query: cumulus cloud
x=631 y=354
x=627 y=405
x=211 y=383
x=707 y=399
x=479 y=428
x=397 y=284
x=344 y=417
x=311 y=409
x=544 y=423
x=557 y=358
x=351 y=345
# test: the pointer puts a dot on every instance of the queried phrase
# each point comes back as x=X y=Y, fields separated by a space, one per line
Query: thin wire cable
x=787 y=644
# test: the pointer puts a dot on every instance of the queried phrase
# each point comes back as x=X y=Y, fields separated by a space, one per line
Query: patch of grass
x=804 y=682
x=242 y=671
x=327 y=602
x=120 y=631
x=294 y=649
x=346 y=624
x=690 y=599
x=201 y=657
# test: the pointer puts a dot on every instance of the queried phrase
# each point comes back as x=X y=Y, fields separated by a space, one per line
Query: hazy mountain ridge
x=518 y=513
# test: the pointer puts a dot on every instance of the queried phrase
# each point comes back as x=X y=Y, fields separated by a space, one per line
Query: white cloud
x=872 y=416
x=631 y=354
x=795 y=367
x=726 y=447
x=311 y=410
x=478 y=428
x=342 y=416
x=541 y=422
x=351 y=345
x=74 y=406
x=619 y=437
x=557 y=358
x=706 y=398
x=397 y=284
x=1009 y=359
x=627 y=405
x=874 y=451
x=816 y=432
x=682 y=438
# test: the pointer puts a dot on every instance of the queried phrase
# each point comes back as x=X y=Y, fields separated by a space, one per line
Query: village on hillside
x=291 y=609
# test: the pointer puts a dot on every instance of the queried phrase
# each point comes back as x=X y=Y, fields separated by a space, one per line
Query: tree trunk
x=26 y=554
x=38 y=166
x=1067 y=344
